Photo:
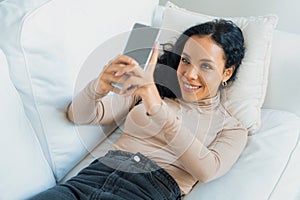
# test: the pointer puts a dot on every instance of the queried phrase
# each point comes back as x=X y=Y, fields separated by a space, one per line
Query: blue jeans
x=118 y=175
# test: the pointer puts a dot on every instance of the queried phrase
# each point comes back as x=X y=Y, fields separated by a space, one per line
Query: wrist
x=147 y=90
x=154 y=109
x=98 y=91
x=151 y=99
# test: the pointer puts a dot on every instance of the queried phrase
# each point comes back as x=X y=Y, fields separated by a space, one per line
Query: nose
x=191 y=73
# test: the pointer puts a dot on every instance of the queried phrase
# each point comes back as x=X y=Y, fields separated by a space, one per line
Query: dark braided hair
x=224 y=32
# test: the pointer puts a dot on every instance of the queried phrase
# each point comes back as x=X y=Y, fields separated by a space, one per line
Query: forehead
x=203 y=46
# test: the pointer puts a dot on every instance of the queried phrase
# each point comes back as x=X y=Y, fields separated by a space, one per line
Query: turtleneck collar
x=204 y=104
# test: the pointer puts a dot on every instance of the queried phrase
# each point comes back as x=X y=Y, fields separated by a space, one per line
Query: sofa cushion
x=46 y=43
x=24 y=171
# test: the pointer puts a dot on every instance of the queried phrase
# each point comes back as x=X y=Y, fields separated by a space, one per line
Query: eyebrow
x=202 y=60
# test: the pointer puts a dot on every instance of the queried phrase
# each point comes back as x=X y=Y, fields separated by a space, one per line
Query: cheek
x=180 y=71
x=213 y=80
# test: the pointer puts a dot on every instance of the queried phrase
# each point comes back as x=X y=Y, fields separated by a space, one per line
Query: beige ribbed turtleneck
x=192 y=141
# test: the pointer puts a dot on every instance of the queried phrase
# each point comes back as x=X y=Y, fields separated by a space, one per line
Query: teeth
x=190 y=86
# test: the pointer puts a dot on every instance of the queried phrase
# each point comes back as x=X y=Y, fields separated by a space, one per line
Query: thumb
x=153 y=58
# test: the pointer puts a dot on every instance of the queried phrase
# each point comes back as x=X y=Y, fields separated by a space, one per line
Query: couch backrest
x=286 y=10
x=24 y=170
x=283 y=91
x=46 y=42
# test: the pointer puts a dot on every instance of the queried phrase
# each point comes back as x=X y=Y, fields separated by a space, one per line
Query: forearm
x=86 y=107
x=151 y=99
x=89 y=107
x=208 y=163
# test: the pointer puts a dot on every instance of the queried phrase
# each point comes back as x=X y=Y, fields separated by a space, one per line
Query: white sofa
x=50 y=49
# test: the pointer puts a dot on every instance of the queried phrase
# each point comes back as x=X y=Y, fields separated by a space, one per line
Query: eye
x=206 y=66
x=185 y=60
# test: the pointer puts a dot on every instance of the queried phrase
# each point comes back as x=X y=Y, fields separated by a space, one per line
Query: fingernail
x=135 y=62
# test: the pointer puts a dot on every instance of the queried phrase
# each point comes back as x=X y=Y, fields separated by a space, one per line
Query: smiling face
x=201 y=69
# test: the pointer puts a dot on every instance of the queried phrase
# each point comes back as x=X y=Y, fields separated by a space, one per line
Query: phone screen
x=140 y=43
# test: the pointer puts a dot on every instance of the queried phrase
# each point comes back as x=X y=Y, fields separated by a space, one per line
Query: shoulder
x=229 y=119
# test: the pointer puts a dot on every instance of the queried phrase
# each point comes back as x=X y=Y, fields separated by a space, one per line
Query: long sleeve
x=205 y=163
x=88 y=107
x=208 y=163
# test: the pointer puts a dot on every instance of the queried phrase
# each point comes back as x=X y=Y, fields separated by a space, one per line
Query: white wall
x=288 y=11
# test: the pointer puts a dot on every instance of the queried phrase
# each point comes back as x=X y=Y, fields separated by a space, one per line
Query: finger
x=107 y=83
x=130 y=84
x=153 y=58
x=112 y=68
x=134 y=70
x=113 y=89
x=111 y=78
x=134 y=83
x=124 y=59
x=105 y=87
x=129 y=92
x=119 y=69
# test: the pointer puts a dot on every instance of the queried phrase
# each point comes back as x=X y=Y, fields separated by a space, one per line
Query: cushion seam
x=285 y=166
x=44 y=150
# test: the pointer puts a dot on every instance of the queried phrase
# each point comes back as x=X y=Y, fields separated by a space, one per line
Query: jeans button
x=136 y=158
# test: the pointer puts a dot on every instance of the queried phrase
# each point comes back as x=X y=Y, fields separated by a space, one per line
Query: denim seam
x=158 y=189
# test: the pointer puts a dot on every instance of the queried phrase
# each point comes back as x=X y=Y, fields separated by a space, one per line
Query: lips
x=190 y=87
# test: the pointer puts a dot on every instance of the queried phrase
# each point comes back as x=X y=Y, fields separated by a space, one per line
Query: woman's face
x=201 y=69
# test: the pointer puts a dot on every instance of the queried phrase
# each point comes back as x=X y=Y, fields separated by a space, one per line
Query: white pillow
x=46 y=43
x=244 y=98
x=24 y=171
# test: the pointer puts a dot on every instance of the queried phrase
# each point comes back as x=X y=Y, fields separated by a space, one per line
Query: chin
x=195 y=97
x=189 y=98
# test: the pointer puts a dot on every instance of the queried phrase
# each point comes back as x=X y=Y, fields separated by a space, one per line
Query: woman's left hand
x=141 y=82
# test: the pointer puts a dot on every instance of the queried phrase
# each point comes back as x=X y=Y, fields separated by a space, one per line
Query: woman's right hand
x=110 y=74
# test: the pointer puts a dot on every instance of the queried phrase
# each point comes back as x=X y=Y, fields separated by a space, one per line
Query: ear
x=228 y=73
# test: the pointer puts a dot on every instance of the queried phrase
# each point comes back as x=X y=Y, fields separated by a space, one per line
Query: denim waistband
x=144 y=164
x=138 y=159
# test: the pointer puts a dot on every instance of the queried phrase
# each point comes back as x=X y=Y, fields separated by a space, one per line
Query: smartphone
x=139 y=45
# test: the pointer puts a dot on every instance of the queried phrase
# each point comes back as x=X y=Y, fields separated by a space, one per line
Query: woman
x=170 y=140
